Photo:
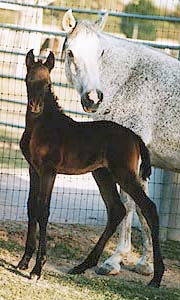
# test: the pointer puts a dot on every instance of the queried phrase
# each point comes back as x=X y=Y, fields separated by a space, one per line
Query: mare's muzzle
x=89 y=104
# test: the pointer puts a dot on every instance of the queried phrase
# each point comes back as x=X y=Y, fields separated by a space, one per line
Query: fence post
x=174 y=213
x=165 y=204
x=33 y=18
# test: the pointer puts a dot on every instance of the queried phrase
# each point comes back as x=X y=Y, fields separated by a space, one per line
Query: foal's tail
x=145 y=167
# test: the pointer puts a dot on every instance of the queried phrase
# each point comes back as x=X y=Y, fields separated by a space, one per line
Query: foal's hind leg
x=32 y=222
x=115 y=212
x=144 y=265
x=112 y=265
x=130 y=184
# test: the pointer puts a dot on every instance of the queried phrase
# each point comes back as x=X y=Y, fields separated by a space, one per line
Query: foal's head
x=38 y=81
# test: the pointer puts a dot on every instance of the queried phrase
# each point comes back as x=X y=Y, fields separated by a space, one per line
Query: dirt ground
x=67 y=246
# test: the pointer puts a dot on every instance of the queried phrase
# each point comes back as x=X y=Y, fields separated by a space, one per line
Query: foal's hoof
x=34 y=277
x=22 y=265
x=35 y=274
x=107 y=269
x=76 y=270
x=154 y=284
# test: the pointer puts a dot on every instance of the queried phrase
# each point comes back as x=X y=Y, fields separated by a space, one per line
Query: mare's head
x=38 y=81
x=83 y=56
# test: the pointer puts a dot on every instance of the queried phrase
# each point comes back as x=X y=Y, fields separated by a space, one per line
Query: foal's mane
x=55 y=100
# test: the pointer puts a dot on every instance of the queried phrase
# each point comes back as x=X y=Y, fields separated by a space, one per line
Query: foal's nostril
x=30 y=103
x=36 y=108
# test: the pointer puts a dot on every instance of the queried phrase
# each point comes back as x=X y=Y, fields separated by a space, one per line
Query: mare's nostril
x=86 y=101
x=100 y=96
x=90 y=105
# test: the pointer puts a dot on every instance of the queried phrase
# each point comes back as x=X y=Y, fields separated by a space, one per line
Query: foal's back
x=80 y=147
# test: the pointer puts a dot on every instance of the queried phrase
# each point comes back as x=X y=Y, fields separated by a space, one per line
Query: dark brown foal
x=53 y=143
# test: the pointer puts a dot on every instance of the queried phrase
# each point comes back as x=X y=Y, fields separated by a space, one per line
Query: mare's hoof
x=178 y=264
x=154 y=284
x=144 y=269
x=107 y=269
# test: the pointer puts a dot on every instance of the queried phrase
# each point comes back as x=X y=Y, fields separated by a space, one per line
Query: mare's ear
x=101 y=22
x=68 y=21
x=50 y=61
x=29 y=59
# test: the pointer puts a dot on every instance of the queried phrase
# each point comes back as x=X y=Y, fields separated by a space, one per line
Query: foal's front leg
x=32 y=222
x=47 y=178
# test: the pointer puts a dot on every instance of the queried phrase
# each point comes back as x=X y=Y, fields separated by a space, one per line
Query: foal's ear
x=68 y=21
x=101 y=22
x=50 y=61
x=29 y=59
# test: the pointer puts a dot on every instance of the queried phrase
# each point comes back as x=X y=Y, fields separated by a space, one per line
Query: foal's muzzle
x=89 y=104
x=36 y=108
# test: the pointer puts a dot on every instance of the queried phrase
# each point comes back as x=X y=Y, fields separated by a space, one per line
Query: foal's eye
x=70 y=54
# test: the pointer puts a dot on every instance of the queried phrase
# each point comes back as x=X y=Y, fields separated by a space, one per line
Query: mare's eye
x=102 y=53
x=70 y=54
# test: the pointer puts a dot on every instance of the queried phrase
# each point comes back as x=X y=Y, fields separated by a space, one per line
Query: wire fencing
x=37 y=24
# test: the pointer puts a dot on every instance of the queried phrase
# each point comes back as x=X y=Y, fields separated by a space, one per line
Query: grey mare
x=133 y=85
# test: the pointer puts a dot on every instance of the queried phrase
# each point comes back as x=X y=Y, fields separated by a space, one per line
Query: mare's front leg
x=47 y=178
x=32 y=221
x=115 y=213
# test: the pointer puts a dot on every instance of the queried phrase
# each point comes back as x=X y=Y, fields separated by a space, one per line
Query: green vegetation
x=8 y=16
x=147 y=29
x=10 y=158
x=109 y=288
x=137 y=28
x=62 y=250
x=10 y=153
